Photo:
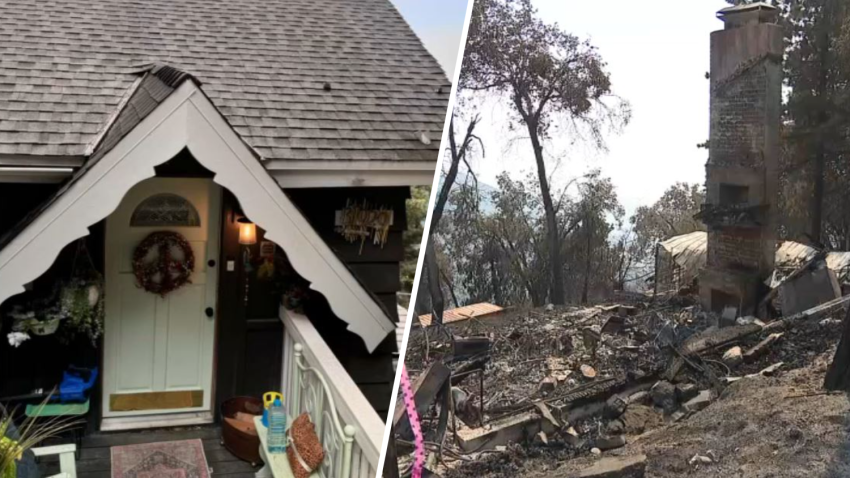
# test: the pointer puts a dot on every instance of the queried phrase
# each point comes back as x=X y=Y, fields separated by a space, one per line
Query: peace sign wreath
x=164 y=271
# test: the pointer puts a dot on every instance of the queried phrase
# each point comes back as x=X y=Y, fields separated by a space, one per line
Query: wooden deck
x=94 y=459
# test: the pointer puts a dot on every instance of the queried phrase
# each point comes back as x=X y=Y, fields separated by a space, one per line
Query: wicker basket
x=242 y=445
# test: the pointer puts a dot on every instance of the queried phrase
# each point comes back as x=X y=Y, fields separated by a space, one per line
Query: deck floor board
x=95 y=457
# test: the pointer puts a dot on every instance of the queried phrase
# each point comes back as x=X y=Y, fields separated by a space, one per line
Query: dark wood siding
x=250 y=333
x=376 y=267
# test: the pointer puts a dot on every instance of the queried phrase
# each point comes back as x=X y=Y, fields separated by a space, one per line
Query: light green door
x=158 y=355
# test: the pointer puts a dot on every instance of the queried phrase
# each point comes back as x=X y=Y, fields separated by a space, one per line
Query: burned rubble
x=540 y=389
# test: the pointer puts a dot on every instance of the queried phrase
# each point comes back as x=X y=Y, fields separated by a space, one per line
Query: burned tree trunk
x=838 y=375
x=556 y=289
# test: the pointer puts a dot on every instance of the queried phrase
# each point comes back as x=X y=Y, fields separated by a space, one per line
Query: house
x=204 y=161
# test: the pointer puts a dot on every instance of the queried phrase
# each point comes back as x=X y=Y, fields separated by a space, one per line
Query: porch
x=336 y=399
x=94 y=459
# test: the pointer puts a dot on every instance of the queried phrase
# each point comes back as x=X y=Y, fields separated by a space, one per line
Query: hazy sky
x=439 y=24
x=657 y=55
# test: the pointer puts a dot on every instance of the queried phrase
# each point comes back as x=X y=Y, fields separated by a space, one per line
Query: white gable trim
x=187 y=119
x=333 y=174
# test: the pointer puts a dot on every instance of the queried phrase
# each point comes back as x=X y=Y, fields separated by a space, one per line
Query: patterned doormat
x=174 y=459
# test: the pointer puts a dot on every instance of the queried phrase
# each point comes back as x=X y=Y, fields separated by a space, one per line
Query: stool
x=50 y=410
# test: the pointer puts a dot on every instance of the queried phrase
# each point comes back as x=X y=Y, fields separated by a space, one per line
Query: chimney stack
x=742 y=173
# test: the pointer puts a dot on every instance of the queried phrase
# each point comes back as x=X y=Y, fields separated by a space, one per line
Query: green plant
x=14 y=442
x=82 y=304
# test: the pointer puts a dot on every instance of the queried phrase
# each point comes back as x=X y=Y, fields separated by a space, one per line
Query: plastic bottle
x=277 y=428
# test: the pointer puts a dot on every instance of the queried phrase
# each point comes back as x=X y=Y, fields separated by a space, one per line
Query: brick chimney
x=742 y=173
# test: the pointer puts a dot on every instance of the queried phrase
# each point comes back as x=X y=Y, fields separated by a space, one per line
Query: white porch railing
x=304 y=392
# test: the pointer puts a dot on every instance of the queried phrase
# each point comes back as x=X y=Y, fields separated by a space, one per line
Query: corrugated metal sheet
x=688 y=251
x=463 y=313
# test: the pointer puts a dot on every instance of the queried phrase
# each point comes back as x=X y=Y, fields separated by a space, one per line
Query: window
x=165 y=210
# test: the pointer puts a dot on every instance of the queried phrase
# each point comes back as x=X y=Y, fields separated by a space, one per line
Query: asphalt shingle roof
x=66 y=64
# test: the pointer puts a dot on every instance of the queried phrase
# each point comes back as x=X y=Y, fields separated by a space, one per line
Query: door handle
x=210 y=312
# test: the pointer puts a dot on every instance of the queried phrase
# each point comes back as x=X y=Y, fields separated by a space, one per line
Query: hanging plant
x=82 y=305
x=74 y=307
x=163 y=262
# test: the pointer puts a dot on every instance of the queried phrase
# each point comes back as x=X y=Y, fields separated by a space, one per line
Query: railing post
x=347 y=445
x=296 y=383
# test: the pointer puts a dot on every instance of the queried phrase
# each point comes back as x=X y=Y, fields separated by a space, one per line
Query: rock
x=596 y=451
x=614 y=407
x=588 y=371
x=550 y=307
x=609 y=443
x=615 y=427
x=733 y=357
x=617 y=467
x=699 y=402
x=686 y=391
x=639 y=418
x=663 y=396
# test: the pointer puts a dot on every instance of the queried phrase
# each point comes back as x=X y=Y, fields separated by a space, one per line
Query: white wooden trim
x=187 y=119
x=67 y=461
x=54 y=450
x=352 y=406
x=320 y=165
x=334 y=174
x=351 y=178
x=37 y=175
x=165 y=420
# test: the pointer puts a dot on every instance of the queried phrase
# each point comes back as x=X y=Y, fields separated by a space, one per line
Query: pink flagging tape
x=419 y=441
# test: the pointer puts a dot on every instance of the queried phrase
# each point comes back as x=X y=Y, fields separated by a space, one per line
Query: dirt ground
x=780 y=426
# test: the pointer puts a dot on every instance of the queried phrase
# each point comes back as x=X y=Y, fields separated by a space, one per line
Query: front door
x=158 y=356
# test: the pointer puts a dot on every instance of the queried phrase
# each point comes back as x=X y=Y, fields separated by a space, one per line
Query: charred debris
x=586 y=381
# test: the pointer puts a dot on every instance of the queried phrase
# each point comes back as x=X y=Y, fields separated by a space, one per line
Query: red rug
x=174 y=459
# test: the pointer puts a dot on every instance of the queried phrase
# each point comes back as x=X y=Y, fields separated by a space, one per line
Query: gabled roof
x=165 y=115
x=154 y=84
x=336 y=80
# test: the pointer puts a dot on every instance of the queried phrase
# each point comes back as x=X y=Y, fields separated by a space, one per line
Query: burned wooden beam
x=426 y=387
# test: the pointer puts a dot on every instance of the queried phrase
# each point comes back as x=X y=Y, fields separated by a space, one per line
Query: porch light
x=247 y=232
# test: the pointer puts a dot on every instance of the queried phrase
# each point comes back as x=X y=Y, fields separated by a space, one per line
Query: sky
x=439 y=24
x=657 y=57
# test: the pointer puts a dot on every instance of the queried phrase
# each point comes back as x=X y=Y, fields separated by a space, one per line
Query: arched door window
x=165 y=210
